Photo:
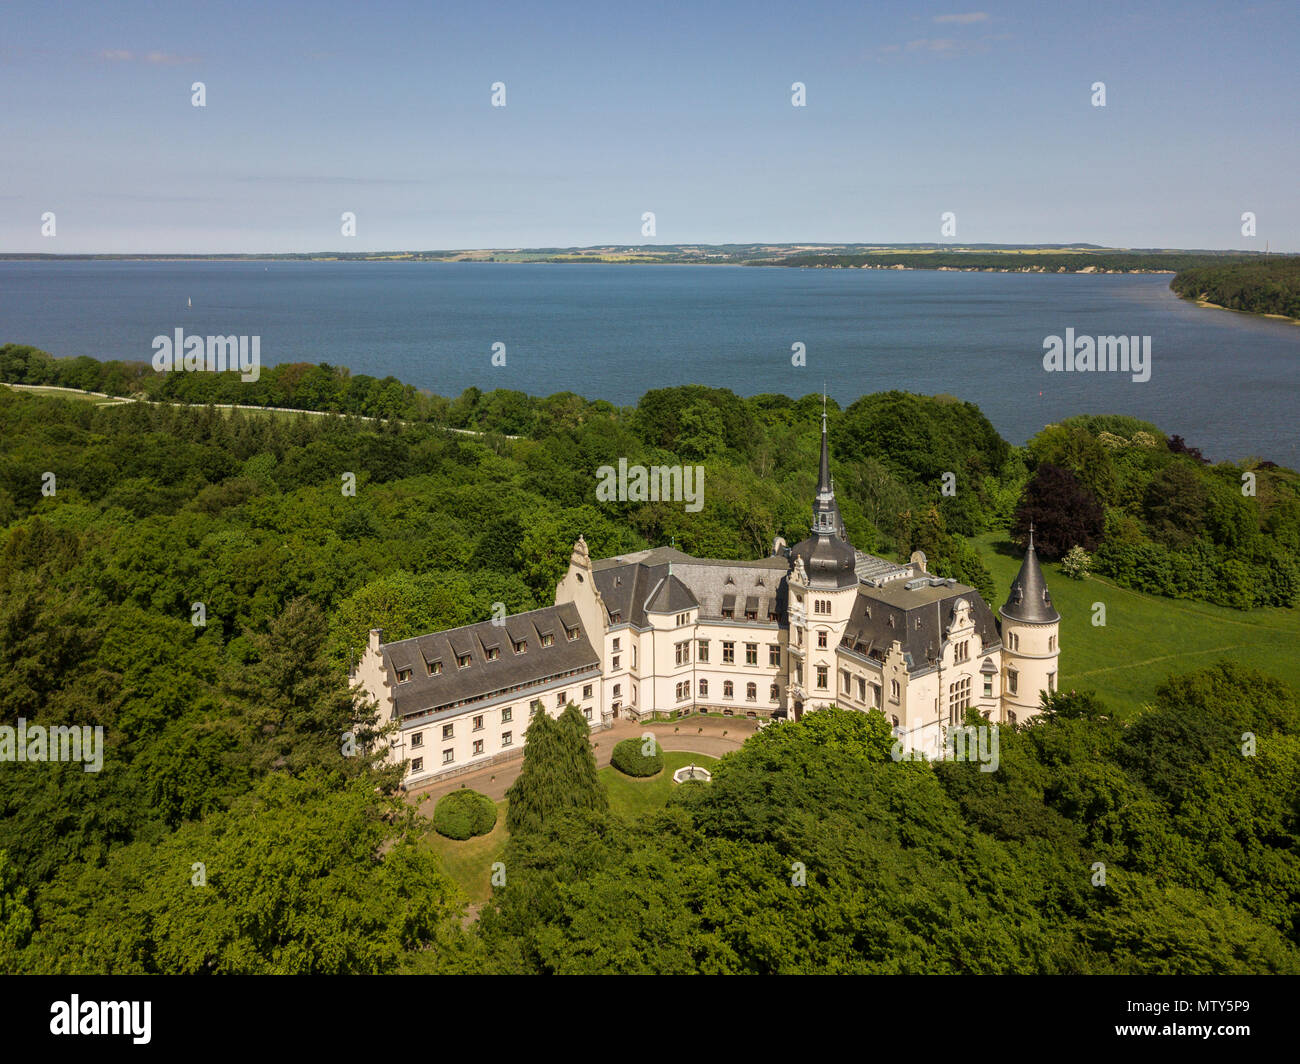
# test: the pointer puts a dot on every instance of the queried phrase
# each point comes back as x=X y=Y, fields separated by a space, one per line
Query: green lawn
x=630 y=798
x=469 y=863
x=1146 y=638
x=59 y=393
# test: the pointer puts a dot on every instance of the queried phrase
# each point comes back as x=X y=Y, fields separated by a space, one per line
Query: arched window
x=775 y=694
x=728 y=689
x=704 y=688
x=751 y=692
x=894 y=690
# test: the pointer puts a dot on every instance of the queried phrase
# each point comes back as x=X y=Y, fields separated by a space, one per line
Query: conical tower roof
x=827 y=555
x=1029 y=600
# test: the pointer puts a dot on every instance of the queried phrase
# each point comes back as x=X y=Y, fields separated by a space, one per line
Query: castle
x=659 y=631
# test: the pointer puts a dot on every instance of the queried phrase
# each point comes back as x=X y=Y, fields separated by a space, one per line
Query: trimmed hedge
x=464 y=814
x=629 y=760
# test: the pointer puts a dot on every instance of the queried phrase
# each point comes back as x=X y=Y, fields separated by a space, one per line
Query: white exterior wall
x=1036 y=661
x=502 y=730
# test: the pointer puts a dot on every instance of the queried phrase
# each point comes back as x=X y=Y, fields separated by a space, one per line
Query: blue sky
x=612 y=110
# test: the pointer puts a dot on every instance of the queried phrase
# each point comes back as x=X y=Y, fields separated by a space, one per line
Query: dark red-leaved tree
x=1064 y=513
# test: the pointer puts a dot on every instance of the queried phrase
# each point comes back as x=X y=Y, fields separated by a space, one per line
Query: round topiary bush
x=629 y=760
x=463 y=814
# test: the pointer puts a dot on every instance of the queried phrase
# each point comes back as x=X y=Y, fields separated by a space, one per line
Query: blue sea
x=1226 y=382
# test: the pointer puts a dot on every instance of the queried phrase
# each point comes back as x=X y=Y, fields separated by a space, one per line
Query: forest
x=228 y=832
x=1269 y=287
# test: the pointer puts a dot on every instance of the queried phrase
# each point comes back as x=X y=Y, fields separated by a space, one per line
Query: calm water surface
x=1227 y=382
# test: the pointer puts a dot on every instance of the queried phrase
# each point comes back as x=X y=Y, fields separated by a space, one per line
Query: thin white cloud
x=963 y=20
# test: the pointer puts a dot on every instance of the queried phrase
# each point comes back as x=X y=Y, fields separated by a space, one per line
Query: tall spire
x=1029 y=600
x=824 y=481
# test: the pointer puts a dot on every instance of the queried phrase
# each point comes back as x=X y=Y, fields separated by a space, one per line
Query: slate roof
x=670 y=596
x=1029 y=600
x=481 y=678
x=869 y=631
x=633 y=583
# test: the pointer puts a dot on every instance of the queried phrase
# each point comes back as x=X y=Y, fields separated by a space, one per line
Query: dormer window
x=492 y=653
x=463 y=661
x=435 y=668
x=520 y=645
x=403 y=675
x=547 y=639
x=571 y=634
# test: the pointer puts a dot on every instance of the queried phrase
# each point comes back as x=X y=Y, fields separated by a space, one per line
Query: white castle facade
x=659 y=632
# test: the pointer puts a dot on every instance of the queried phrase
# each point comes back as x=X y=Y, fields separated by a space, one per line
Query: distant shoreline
x=1205 y=303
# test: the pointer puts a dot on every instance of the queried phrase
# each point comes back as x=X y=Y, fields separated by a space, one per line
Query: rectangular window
x=845 y=682
x=614 y=664
x=1013 y=681
x=728 y=653
x=417 y=765
x=571 y=633
x=403 y=675
x=435 y=668
x=774 y=655
x=822 y=676
x=492 y=653
x=751 y=615
x=1051 y=681
x=751 y=653
x=862 y=689
x=682 y=653
x=463 y=661
x=615 y=647
x=962 y=652
x=728 y=614
x=988 y=686
x=560 y=699
x=703 y=648
x=507 y=715
x=417 y=739
x=478 y=723
x=507 y=738
x=448 y=730
x=586 y=690
x=448 y=756
x=548 y=639
x=478 y=747
x=586 y=712
x=521 y=646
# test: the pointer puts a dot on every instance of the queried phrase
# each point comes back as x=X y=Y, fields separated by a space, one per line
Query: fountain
x=692 y=772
